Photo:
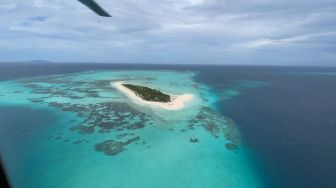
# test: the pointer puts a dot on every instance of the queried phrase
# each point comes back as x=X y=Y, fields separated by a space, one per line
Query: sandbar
x=177 y=101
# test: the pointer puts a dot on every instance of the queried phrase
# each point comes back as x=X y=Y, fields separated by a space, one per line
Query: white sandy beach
x=177 y=101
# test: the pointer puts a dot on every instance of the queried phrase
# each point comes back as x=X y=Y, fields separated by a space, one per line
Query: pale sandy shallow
x=177 y=103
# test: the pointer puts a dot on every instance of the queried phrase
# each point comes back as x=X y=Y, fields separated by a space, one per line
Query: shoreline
x=177 y=101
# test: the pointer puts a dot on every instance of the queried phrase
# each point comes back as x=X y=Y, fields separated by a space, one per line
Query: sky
x=249 y=32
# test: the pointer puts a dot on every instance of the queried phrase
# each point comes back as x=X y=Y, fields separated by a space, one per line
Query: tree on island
x=148 y=94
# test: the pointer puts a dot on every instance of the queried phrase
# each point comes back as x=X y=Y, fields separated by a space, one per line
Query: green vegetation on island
x=148 y=94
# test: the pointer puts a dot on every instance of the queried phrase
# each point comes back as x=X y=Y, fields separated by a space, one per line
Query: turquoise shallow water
x=75 y=130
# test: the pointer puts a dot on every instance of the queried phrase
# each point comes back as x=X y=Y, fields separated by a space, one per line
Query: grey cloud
x=261 y=6
x=38 y=18
x=178 y=31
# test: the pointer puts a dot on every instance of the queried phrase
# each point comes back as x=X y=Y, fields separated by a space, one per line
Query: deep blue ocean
x=286 y=116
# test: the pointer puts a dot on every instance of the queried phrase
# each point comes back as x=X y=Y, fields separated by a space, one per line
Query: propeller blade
x=95 y=7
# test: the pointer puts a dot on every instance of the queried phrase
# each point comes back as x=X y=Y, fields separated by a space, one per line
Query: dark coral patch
x=36 y=100
x=218 y=125
x=112 y=147
x=231 y=146
x=83 y=129
x=105 y=117
x=193 y=140
x=101 y=117
x=78 y=141
x=120 y=136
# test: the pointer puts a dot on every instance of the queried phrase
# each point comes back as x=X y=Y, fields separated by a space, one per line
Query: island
x=153 y=97
x=148 y=94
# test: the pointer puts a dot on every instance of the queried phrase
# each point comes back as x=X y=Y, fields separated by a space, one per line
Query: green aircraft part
x=95 y=7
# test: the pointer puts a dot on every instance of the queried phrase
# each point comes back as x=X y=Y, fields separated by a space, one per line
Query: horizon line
x=175 y=64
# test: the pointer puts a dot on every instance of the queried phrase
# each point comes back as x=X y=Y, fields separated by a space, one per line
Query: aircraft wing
x=95 y=7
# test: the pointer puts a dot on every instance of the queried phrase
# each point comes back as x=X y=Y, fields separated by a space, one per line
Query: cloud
x=38 y=18
x=264 y=43
x=178 y=31
x=273 y=42
x=8 y=6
